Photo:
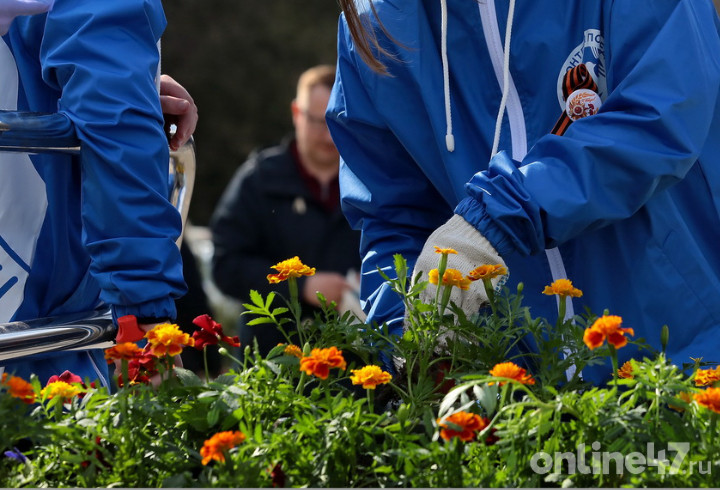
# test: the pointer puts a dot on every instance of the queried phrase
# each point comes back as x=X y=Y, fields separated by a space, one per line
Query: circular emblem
x=582 y=103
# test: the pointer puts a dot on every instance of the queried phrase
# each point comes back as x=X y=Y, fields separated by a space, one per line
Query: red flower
x=277 y=476
x=70 y=378
x=141 y=368
x=211 y=333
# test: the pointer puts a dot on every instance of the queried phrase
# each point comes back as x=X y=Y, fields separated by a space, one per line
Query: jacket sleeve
x=663 y=80
x=239 y=263
x=103 y=57
x=383 y=191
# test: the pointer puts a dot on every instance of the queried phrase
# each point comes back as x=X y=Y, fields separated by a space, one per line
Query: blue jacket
x=626 y=203
x=77 y=232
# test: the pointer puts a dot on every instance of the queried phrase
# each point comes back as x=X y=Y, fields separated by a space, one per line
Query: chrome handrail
x=53 y=133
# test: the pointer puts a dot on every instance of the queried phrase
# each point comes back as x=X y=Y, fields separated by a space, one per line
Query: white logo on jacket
x=23 y=202
x=590 y=51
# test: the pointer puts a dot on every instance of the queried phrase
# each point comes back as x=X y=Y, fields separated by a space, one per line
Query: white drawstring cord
x=449 y=138
x=506 y=78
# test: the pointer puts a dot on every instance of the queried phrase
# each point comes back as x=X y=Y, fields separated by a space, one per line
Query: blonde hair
x=323 y=75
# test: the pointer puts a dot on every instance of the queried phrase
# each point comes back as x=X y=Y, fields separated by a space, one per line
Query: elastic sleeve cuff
x=474 y=213
x=164 y=309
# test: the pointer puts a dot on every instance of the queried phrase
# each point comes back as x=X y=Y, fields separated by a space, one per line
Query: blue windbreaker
x=626 y=203
x=77 y=232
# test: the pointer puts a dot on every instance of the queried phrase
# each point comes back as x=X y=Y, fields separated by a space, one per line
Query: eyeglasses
x=315 y=121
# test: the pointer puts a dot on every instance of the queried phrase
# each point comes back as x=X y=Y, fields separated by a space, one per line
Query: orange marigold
x=293 y=350
x=216 y=447
x=464 y=425
x=451 y=277
x=562 y=287
x=626 y=370
x=707 y=377
x=126 y=350
x=446 y=251
x=486 y=272
x=512 y=371
x=168 y=339
x=289 y=268
x=319 y=362
x=61 y=389
x=709 y=398
x=19 y=388
x=370 y=376
x=607 y=327
x=684 y=396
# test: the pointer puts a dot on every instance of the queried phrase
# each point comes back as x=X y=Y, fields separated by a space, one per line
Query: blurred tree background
x=240 y=60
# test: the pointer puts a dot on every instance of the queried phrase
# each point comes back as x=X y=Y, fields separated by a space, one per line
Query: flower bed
x=466 y=407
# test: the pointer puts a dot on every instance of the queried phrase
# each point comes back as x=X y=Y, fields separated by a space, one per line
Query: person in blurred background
x=285 y=202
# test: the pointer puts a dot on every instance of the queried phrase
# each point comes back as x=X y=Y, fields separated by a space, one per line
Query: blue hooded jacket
x=79 y=232
x=626 y=203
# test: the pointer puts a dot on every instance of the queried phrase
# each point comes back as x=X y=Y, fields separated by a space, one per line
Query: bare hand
x=331 y=284
x=178 y=108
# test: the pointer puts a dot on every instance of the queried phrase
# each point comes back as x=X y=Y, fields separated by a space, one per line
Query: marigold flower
x=125 y=350
x=684 y=396
x=487 y=272
x=446 y=251
x=216 y=447
x=293 y=350
x=626 y=370
x=451 y=277
x=709 y=398
x=607 y=327
x=19 y=388
x=707 y=377
x=319 y=362
x=512 y=371
x=464 y=425
x=168 y=339
x=61 y=389
x=211 y=333
x=562 y=287
x=289 y=268
x=370 y=376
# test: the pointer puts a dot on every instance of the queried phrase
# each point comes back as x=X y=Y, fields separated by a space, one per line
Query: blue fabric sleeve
x=663 y=80
x=103 y=57
x=378 y=178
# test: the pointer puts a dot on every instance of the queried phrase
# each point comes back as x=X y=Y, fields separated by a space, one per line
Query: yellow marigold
x=684 y=396
x=216 y=447
x=512 y=371
x=439 y=250
x=486 y=272
x=168 y=339
x=562 y=287
x=289 y=268
x=19 y=388
x=709 y=398
x=464 y=425
x=451 y=277
x=319 y=362
x=61 y=389
x=370 y=376
x=293 y=350
x=707 y=377
x=124 y=350
x=606 y=327
x=626 y=370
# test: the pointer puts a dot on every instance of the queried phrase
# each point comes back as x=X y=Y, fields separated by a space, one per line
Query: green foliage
x=301 y=430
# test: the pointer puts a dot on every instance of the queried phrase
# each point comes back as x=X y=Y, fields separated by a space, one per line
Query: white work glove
x=473 y=250
x=9 y=9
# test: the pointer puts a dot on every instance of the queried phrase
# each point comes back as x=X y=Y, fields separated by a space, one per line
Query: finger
x=174 y=105
x=168 y=86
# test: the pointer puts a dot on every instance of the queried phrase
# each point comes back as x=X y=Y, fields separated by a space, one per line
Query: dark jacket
x=266 y=215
